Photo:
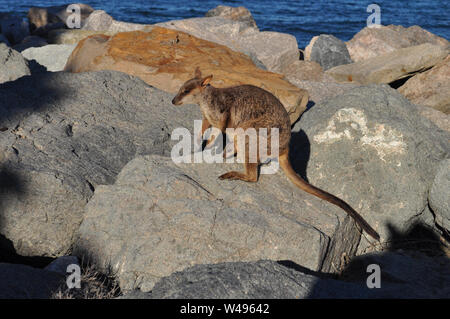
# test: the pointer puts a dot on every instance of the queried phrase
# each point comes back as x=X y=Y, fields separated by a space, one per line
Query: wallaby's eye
x=186 y=91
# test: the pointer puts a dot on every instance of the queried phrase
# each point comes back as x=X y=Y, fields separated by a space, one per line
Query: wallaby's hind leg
x=250 y=175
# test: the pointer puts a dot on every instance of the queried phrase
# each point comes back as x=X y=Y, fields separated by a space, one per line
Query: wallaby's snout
x=176 y=100
x=190 y=91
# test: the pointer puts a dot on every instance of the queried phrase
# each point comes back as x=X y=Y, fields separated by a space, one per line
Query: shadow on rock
x=12 y=184
x=414 y=264
x=418 y=237
x=299 y=152
x=18 y=98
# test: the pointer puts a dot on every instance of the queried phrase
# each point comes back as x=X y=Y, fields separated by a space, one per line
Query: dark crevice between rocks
x=301 y=54
x=92 y=188
x=398 y=83
x=9 y=255
x=444 y=232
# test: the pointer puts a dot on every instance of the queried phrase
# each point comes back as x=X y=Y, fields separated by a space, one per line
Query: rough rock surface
x=440 y=119
x=173 y=59
x=24 y=282
x=430 y=88
x=401 y=277
x=391 y=66
x=53 y=56
x=275 y=50
x=439 y=197
x=371 y=42
x=305 y=71
x=328 y=51
x=12 y=64
x=99 y=20
x=323 y=90
x=62 y=135
x=384 y=154
x=233 y=13
x=161 y=217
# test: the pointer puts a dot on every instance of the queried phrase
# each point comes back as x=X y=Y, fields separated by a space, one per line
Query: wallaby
x=248 y=106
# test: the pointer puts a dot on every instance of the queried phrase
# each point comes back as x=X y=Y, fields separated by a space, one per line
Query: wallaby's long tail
x=303 y=185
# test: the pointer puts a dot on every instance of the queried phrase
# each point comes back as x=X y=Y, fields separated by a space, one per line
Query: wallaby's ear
x=206 y=80
x=198 y=73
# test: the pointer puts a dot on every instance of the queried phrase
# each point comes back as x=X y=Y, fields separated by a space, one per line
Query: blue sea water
x=303 y=19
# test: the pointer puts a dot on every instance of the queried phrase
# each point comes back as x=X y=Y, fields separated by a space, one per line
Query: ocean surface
x=303 y=19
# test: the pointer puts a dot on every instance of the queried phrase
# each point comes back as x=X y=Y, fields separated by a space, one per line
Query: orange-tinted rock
x=167 y=58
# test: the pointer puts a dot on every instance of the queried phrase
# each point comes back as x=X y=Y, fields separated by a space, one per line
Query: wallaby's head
x=191 y=90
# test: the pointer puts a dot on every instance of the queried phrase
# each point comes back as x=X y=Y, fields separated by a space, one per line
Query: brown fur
x=248 y=106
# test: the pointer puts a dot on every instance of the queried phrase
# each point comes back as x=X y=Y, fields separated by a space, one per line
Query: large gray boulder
x=62 y=135
x=12 y=64
x=321 y=91
x=53 y=56
x=401 y=277
x=371 y=147
x=160 y=217
x=277 y=51
x=328 y=51
x=25 y=282
x=439 y=197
